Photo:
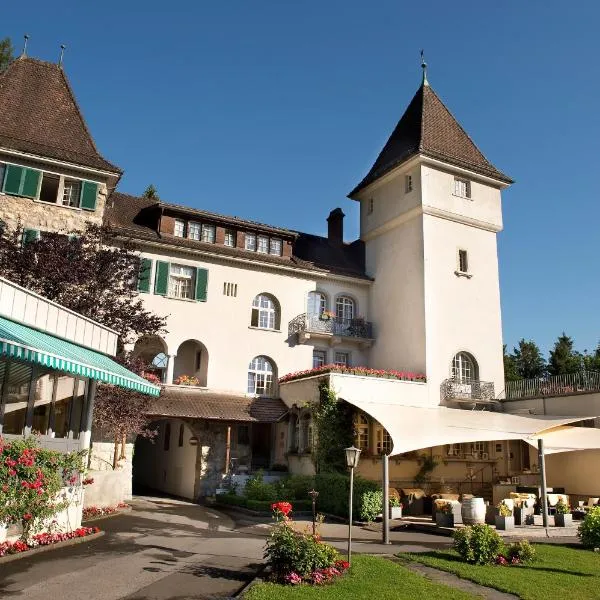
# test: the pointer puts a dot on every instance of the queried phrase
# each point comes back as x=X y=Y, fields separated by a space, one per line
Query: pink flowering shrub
x=30 y=479
x=297 y=557
x=44 y=539
x=92 y=512
x=361 y=371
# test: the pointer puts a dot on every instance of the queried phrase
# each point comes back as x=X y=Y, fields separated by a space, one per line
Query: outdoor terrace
x=554 y=385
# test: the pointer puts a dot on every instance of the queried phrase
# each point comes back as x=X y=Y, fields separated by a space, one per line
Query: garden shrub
x=231 y=499
x=371 y=505
x=478 y=544
x=265 y=505
x=258 y=489
x=589 y=529
x=333 y=491
x=522 y=551
x=295 y=487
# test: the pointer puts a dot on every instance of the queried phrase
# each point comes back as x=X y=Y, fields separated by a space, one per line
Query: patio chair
x=412 y=499
x=591 y=503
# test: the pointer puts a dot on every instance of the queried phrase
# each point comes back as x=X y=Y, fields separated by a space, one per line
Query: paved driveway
x=171 y=550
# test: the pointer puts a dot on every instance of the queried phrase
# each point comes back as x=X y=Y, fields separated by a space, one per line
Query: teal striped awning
x=25 y=343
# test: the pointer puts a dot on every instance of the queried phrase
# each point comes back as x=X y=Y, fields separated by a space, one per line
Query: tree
x=6 y=53
x=563 y=359
x=591 y=361
x=528 y=359
x=151 y=192
x=511 y=372
x=90 y=272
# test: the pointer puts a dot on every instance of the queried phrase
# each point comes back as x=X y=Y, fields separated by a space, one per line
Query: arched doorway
x=166 y=463
x=152 y=350
x=192 y=361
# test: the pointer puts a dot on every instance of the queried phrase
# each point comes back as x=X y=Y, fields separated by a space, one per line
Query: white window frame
x=345 y=308
x=362 y=433
x=337 y=358
x=265 y=308
x=462 y=187
x=182 y=280
x=65 y=186
x=194 y=231
x=179 y=228
x=250 y=241
x=464 y=368
x=319 y=355
x=314 y=297
x=209 y=233
x=276 y=246
x=262 y=244
x=408 y=184
x=260 y=376
x=384 y=441
x=229 y=238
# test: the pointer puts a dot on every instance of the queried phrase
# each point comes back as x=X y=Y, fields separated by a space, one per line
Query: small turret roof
x=39 y=115
x=427 y=127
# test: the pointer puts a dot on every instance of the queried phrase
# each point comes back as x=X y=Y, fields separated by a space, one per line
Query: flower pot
x=504 y=523
x=395 y=512
x=444 y=519
x=561 y=520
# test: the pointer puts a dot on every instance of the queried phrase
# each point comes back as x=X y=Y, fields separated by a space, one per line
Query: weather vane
x=424 y=67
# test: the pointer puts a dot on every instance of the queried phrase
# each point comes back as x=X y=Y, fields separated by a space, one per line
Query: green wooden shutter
x=30 y=235
x=144 y=275
x=12 y=179
x=89 y=193
x=31 y=183
x=161 y=281
x=201 y=284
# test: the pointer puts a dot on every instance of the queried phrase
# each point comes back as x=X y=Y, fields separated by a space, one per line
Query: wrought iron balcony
x=474 y=391
x=307 y=326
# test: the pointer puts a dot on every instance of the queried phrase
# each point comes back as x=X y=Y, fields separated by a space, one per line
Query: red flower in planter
x=285 y=508
x=27 y=517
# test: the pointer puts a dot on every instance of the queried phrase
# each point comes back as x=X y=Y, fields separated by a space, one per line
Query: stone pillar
x=170 y=368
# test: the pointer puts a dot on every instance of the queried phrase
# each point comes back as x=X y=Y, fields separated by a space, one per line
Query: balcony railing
x=554 y=385
x=467 y=391
x=334 y=326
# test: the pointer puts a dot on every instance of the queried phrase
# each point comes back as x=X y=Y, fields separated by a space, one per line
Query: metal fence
x=356 y=328
x=554 y=385
x=453 y=389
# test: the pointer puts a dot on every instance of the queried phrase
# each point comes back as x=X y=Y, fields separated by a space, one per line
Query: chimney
x=335 y=227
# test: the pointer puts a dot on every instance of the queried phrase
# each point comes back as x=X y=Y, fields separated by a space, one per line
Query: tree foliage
x=528 y=359
x=6 y=53
x=151 y=192
x=563 y=358
x=334 y=422
x=510 y=368
x=90 y=272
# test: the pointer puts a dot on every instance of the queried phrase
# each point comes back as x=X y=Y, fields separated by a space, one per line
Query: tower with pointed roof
x=430 y=213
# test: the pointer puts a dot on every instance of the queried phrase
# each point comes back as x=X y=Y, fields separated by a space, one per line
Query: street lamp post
x=352 y=458
x=313 y=496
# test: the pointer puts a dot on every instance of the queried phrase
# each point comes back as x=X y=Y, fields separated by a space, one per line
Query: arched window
x=464 y=368
x=344 y=308
x=265 y=313
x=260 y=376
x=316 y=304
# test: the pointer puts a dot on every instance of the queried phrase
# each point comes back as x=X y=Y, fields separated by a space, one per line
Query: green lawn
x=559 y=572
x=370 y=577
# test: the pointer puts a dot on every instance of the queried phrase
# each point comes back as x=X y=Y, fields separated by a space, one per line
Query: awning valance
x=30 y=345
x=416 y=427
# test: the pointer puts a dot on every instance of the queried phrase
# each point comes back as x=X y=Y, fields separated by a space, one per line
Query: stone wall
x=49 y=217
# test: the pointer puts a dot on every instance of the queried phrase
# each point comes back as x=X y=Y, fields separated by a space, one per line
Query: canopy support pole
x=544 y=498
x=86 y=434
x=386 y=498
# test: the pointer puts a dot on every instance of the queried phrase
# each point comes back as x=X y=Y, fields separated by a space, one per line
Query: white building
x=248 y=303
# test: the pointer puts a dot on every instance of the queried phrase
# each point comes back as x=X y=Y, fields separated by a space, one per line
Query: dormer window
x=229 y=239
x=71 y=193
x=275 y=247
x=263 y=244
x=194 y=231
x=179 y=229
x=208 y=233
x=462 y=187
x=250 y=241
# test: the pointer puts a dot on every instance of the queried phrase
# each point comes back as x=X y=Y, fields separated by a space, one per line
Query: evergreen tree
x=510 y=368
x=591 y=361
x=563 y=358
x=528 y=359
x=6 y=53
x=151 y=192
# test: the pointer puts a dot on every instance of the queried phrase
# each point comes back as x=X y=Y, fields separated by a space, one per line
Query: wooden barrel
x=473 y=511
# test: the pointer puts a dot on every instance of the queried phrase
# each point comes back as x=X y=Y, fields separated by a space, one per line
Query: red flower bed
x=285 y=508
x=91 y=512
x=360 y=371
x=44 y=539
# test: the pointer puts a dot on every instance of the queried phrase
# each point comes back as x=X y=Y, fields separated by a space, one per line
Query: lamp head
x=352 y=457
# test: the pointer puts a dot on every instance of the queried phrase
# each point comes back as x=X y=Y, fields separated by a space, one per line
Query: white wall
x=222 y=323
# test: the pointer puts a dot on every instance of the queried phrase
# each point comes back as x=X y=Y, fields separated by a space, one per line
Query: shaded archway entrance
x=192 y=361
x=152 y=350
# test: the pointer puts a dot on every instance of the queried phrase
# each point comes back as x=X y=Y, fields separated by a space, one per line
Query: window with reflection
x=16 y=396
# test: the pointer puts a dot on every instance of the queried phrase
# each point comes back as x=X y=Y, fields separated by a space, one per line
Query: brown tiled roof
x=39 y=115
x=198 y=404
x=137 y=217
x=428 y=127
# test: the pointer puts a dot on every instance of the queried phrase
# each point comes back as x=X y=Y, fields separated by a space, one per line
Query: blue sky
x=275 y=110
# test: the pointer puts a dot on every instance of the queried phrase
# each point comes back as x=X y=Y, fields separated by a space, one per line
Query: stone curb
x=258 y=578
x=122 y=511
x=33 y=551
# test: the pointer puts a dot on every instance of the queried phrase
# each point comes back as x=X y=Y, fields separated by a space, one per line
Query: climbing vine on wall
x=334 y=428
